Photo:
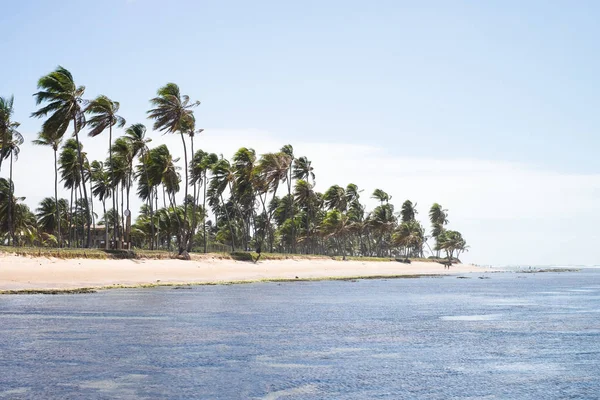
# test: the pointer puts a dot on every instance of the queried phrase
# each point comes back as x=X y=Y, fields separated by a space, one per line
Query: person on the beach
x=258 y=250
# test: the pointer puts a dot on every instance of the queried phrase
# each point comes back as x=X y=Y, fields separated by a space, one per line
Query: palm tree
x=8 y=127
x=49 y=216
x=305 y=196
x=64 y=104
x=52 y=139
x=382 y=196
x=202 y=162
x=304 y=170
x=70 y=171
x=11 y=150
x=102 y=189
x=173 y=113
x=408 y=211
x=289 y=151
x=103 y=114
x=274 y=169
x=335 y=198
x=438 y=217
x=223 y=177
x=161 y=169
x=138 y=143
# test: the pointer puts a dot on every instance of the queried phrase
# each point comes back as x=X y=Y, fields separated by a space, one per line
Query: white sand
x=18 y=272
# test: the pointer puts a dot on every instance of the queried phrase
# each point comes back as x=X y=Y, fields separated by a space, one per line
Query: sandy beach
x=21 y=273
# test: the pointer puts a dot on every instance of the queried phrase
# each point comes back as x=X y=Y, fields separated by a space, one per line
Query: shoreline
x=29 y=275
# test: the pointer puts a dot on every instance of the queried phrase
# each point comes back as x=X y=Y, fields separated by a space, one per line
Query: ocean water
x=508 y=336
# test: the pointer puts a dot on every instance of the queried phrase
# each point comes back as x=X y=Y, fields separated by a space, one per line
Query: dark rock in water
x=462 y=277
x=484 y=277
x=182 y=287
x=184 y=256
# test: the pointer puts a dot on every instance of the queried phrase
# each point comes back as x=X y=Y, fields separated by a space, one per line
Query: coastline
x=24 y=274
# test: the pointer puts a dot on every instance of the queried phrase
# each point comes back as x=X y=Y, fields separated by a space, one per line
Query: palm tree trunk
x=80 y=158
x=112 y=180
x=105 y=224
x=122 y=231
x=183 y=230
x=76 y=233
x=157 y=222
x=189 y=242
x=229 y=223
x=70 y=219
x=204 y=207
x=92 y=204
x=10 y=203
x=58 y=237
x=150 y=192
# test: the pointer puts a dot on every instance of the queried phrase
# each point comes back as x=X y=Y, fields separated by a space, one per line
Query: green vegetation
x=266 y=203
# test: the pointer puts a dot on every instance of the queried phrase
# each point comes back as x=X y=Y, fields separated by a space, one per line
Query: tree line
x=264 y=202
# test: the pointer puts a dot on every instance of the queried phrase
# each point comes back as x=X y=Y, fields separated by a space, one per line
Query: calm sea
x=508 y=336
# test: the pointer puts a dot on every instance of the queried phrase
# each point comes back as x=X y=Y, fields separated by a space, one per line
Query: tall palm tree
x=102 y=189
x=52 y=140
x=202 y=162
x=103 y=115
x=289 y=151
x=135 y=135
x=223 y=176
x=172 y=113
x=438 y=217
x=8 y=127
x=274 y=168
x=11 y=150
x=64 y=105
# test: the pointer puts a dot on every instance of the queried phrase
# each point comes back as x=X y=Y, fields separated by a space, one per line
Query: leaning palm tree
x=172 y=113
x=52 y=139
x=103 y=115
x=63 y=105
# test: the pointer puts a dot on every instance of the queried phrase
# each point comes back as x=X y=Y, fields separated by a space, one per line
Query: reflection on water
x=507 y=337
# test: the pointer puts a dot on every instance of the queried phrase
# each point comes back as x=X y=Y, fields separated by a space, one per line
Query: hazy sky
x=490 y=108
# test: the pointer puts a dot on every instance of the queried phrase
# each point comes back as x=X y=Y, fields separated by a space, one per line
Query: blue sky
x=462 y=85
